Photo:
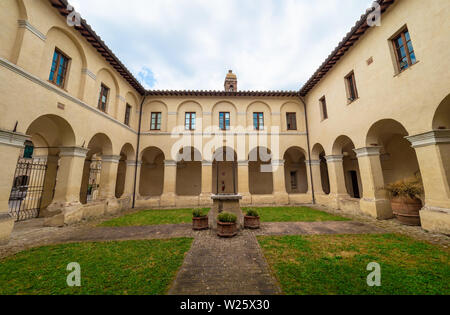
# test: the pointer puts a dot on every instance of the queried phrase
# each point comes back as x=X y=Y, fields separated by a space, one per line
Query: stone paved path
x=216 y=266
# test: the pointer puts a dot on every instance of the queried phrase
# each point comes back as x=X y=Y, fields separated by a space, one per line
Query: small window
x=155 y=121
x=103 y=99
x=352 y=92
x=294 y=181
x=404 y=50
x=127 y=115
x=59 y=68
x=323 y=108
x=224 y=121
x=190 y=121
x=258 y=121
x=291 y=119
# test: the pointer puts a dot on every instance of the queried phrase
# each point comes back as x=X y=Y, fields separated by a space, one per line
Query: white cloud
x=190 y=44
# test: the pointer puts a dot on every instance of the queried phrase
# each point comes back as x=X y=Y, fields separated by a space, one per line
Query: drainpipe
x=138 y=149
x=309 y=150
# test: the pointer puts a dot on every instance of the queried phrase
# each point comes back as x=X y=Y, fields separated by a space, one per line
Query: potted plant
x=226 y=225
x=251 y=220
x=405 y=202
x=199 y=220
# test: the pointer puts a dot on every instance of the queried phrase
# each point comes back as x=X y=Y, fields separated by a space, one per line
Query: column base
x=112 y=206
x=59 y=214
x=334 y=200
x=168 y=200
x=6 y=227
x=435 y=220
x=377 y=208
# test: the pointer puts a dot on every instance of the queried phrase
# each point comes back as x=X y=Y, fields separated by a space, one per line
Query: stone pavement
x=216 y=266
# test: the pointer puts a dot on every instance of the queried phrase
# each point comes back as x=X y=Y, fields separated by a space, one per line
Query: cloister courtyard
x=297 y=251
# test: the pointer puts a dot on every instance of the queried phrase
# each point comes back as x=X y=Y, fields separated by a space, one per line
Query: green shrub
x=227 y=218
x=406 y=188
x=198 y=213
x=252 y=213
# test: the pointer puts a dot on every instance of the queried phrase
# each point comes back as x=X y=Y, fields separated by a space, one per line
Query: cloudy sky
x=191 y=44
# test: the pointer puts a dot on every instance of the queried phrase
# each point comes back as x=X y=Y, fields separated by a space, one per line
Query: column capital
x=242 y=163
x=207 y=163
x=278 y=162
x=73 y=151
x=368 y=151
x=111 y=158
x=170 y=163
x=312 y=162
x=134 y=163
x=334 y=158
x=430 y=138
x=14 y=139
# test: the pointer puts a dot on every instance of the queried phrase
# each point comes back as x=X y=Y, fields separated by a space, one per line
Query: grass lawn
x=337 y=264
x=132 y=267
x=153 y=217
x=177 y=216
x=294 y=214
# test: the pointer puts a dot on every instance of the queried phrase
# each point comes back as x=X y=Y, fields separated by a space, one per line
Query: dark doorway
x=355 y=186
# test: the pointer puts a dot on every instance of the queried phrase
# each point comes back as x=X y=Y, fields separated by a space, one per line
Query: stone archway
x=225 y=171
x=152 y=173
x=398 y=159
x=260 y=171
x=48 y=135
x=125 y=172
x=322 y=183
x=189 y=172
x=296 y=178
x=96 y=182
x=343 y=146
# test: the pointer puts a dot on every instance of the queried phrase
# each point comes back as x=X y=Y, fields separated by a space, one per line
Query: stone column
x=243 y=183
x=375 y=201
x=129 y=179
x=337 y=179
x=205 y=197
x=280 y=194
x=433 y=154
x=68 y=182
x=314 y=173
x=170 y=179
x=49 y=184
x=11 y=143
x=108 y=176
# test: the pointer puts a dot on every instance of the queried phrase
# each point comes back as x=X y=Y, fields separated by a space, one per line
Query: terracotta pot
x=252 y=222
x=226 y=229
x=407 y=210
x=199 y=224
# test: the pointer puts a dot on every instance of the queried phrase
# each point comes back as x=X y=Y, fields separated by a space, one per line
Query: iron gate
x=27 y=189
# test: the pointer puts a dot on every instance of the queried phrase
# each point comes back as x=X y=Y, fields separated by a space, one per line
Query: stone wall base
x=379 y=209
x=6 y=228
x=300 y=199
x=74 y=213
x=435 y=220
